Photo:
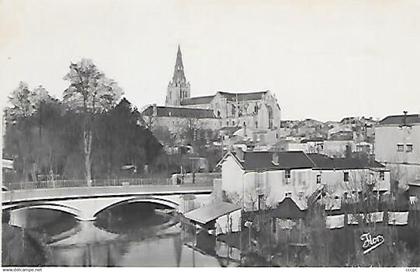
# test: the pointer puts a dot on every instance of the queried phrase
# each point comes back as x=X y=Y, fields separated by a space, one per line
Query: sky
x=322 y=59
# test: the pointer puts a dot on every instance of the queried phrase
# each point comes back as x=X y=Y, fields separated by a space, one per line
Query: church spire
x=178 y=88
x=179 y=76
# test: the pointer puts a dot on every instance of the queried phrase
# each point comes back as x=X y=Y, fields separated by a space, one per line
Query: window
x=400 y=148
x=287 y=174
x=274 y=224
x=346 y=195
x=260 y=202
x=346 y=176
x=256 y=124
x=409 y=148
x=288 y=194
x=318 y=179
x=382 y=175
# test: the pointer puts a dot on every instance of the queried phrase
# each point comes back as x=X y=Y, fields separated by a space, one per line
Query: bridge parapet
x=95 y=183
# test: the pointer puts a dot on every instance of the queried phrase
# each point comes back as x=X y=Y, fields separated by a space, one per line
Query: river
x=128 y=235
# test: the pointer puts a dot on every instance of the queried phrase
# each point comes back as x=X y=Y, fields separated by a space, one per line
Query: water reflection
x=136 y=234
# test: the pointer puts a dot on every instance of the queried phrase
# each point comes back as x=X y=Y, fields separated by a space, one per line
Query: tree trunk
x=87 y=144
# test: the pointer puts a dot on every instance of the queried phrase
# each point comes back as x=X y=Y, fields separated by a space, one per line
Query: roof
x=289 y=208
x=211 y=212
x=163 y=111
x=243 y=96
x=263 y=160
x=399 y=119
x=8 y=164
x=260 y=160
x=317 y=139
x=197 y=100
x=327 y=163
x=414 y=183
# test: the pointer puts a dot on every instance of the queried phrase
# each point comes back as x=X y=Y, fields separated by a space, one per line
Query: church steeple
x=179 y=76
x=178 y=88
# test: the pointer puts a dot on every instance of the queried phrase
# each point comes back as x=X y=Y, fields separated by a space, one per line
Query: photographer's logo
x=370 y=243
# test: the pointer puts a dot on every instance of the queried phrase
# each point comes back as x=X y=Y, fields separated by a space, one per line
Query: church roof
x=163 y=111
x=243 y=96
x=197 y=100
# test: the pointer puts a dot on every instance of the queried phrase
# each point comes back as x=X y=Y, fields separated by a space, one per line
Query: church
x=254 y=112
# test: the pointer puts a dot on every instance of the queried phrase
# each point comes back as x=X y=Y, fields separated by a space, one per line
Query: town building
x=258 y=112
x=262 y=180
x=397 y=145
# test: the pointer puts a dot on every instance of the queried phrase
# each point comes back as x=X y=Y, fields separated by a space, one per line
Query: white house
x=261 y=180
x=397 y=145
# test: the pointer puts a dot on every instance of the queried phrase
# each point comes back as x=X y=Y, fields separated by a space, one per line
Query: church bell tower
x=178 y=88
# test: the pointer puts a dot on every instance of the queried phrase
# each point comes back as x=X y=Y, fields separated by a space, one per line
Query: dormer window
x=275 y=159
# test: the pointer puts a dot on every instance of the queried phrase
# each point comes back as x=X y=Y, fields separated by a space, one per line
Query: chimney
x=405 y=118
x=154 y=110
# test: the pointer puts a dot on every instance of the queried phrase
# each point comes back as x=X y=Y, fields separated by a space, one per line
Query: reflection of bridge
x=85 y=203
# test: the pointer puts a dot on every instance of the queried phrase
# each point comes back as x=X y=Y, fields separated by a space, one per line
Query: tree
x=121 y=141
x=21 y=101
x=21 y=125
x=90 y=92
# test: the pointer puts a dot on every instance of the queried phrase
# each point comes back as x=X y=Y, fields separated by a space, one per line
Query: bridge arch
x=47 y=205
x=156 y=200
x=16 y=219
x=88 y=209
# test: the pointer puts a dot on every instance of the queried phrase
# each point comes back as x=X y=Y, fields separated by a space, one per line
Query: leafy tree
x=90 y=92
x=21 y=101
x=120 y=140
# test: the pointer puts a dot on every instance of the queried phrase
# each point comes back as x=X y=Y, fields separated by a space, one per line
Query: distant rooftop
x=399 y=119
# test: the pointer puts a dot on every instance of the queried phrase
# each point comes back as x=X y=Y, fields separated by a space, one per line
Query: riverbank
x=22 y=248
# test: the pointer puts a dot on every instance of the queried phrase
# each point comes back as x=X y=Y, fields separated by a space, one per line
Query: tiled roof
x=399 y=119
x=211 y=212
x=243 y=96
x=263 y=160
x=198 y=100
x=328 y=163
x=181 y=112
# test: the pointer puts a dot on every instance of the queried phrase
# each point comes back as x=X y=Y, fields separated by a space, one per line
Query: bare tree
x=90 y=92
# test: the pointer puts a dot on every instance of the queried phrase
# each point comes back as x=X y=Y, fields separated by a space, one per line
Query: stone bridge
x=85 y=203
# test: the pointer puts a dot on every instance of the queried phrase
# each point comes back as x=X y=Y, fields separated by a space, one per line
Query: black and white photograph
x=213 y=133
